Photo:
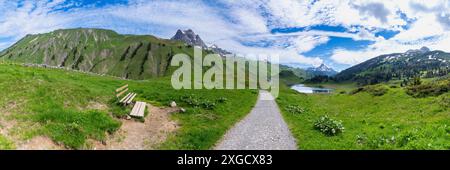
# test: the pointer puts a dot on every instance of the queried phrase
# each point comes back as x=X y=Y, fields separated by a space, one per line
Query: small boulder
x=182 y=110
x=128 y=117
x=173 y=104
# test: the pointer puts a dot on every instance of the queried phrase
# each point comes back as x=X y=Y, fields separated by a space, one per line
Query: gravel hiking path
x=262 y=129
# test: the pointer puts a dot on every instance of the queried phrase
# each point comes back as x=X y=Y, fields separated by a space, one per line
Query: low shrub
x=382 y=141
x=193 y=101
x=429 y=89
x=444 y=101
x=356 y=91
x=222 y=100
x=294 y=109
x=374 y=90
x=393 y=86
x=206 y=104
x=328 y=126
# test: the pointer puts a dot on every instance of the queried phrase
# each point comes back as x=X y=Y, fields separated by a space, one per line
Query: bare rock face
x=322 y=70
x=189 y=37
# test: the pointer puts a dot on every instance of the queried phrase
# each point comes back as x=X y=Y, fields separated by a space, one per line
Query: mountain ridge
x=99 y=51
x=420 y=62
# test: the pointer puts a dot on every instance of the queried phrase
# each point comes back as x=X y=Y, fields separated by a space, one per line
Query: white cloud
x=351 y=57
x=250 y=21
x=425 y=26
x=307 y=43
x=29 y=19
x=163 y=16
x=425 y=30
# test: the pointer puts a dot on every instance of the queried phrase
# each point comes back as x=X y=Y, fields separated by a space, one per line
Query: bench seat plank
x=135 y=109
x=131 y=99
x=126 y=99
x=138 y=109
x=140 y=113
x=123 y=99
x=121 y=88
x=122 y=92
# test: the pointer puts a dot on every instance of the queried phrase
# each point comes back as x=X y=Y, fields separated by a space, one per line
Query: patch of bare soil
x=36 y=143
x=97 y=106
x=7 y=125
x=39 y=143
x=135 y=135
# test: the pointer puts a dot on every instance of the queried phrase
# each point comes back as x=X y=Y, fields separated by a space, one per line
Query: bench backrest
x=120 y=91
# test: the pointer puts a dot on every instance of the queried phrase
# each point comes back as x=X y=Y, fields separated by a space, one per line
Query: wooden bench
x=128 y=99
x=138 y=109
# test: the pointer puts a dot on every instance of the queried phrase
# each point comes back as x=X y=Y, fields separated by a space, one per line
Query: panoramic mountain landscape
x=110 y=83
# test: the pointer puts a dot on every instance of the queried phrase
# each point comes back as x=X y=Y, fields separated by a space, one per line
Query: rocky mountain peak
x=322 y=70
x=421 y=50
x=424 y=49
x=189 y=37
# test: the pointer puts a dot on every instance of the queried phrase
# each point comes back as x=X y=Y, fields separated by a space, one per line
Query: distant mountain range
x=321 y=70
x=420 y=62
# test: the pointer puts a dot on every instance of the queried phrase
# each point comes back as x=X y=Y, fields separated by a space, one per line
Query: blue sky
x=303 y=33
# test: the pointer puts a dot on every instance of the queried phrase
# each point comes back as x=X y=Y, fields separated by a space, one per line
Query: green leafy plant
x=294 y=109
x=328 y=126
x=374 y=90
x=429 y=89
x=206 y=104
x=222 y=100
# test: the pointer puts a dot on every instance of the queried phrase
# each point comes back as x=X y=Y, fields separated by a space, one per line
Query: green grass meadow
x=394 y=120
x=71 y=107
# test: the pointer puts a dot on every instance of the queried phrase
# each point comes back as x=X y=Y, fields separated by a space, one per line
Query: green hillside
x=99 y=51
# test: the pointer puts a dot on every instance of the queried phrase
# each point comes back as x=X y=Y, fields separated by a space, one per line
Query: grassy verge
x=5 y=143
x=393 y=120
x=73 y=107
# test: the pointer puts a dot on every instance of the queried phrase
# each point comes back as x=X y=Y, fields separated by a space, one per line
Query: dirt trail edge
x=262 y=129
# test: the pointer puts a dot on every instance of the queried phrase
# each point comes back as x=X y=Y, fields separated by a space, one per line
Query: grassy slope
x=5 y=143
x=59 y=103
x=392 y=121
